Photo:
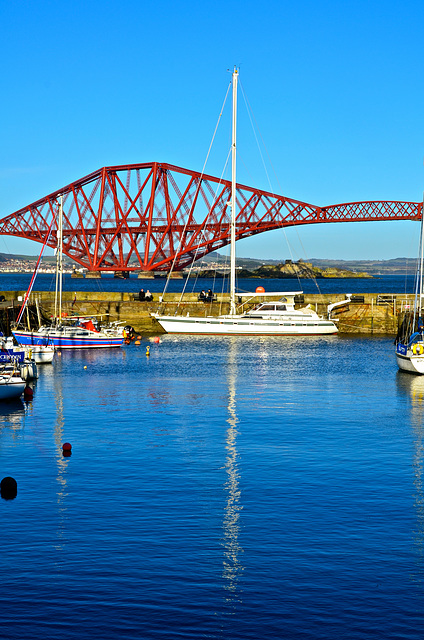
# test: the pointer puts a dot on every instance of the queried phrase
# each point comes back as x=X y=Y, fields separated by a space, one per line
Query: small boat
x=269 y=318
x=11 y=384
x=409 y=342
x=13 y=358
x=40 y=353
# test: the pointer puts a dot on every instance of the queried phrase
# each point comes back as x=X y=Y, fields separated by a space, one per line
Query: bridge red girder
x=154 y=216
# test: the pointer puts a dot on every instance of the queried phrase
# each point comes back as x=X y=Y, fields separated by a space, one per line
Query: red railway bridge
x=155 y=216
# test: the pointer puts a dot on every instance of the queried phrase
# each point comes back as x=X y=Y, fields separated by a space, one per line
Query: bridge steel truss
x=155 y=216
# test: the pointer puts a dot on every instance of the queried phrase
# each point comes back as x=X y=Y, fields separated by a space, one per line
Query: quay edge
x=365 y=314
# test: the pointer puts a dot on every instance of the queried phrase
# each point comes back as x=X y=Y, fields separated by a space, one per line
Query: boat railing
x=389 y=299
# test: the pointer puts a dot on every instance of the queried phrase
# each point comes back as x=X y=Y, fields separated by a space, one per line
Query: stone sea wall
x=366 y=314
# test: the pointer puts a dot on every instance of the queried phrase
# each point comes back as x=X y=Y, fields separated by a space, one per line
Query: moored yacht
x=79 y=335
x=266 y=318
x=409 y=342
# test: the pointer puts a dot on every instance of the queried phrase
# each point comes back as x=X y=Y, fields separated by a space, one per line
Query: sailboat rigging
x=409 y=342
x=81 y=332
x=267 y=318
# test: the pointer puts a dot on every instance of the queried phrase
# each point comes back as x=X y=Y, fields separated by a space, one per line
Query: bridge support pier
x=93 y=274
x=146 y=275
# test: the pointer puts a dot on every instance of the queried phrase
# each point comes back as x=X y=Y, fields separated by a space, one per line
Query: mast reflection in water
x=232 y=567
x=413 y=386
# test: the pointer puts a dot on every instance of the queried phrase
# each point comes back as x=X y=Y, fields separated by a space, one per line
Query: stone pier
x=365 y=314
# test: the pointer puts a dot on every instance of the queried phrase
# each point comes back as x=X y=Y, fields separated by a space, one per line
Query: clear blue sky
x=335 y=87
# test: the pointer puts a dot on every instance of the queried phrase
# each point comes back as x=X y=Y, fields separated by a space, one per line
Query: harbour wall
x=368 y=313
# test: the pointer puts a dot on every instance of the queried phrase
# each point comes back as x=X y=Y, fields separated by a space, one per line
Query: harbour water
x=379 y=284
x=223 y=488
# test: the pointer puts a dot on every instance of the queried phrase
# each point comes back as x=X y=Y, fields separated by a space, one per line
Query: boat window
x=268 y=307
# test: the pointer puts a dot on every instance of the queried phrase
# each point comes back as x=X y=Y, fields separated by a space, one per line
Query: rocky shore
x=289 y=269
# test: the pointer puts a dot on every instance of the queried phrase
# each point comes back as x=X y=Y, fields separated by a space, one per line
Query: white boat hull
x=239 y=325
x=11 y=387
x=411 y=363
x=40 y=354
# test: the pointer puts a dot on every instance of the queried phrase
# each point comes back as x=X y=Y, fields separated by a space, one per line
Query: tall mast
x=59 y=265
x=420 y=291
x=233 y=200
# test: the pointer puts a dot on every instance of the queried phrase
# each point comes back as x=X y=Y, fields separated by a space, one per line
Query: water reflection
x=413 y=387
x=61 y=461
x=12 y=414
x=232 y=567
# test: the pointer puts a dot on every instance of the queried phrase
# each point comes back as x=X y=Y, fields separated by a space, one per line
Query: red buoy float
x=66 y=446
x=259 y=290
x=156 y=339
x=28 y=393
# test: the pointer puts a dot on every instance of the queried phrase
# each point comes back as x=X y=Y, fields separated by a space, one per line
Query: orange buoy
x=137 y=342
x=259 y=290
x=156 y=340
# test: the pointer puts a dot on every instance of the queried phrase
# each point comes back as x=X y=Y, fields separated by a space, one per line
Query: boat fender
x=418 y=349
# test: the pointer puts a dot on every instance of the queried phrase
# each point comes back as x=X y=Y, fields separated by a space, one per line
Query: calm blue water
x=240 y=488
x=46 y=282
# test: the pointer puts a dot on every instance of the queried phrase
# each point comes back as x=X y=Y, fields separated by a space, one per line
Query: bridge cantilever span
x=152 y=215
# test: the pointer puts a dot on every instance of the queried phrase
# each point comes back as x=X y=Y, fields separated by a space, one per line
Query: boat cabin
x=283 y=305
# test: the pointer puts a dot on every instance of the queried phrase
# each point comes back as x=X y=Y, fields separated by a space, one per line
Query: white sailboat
x=11 y=385
x=409 y=342
x=268 y=318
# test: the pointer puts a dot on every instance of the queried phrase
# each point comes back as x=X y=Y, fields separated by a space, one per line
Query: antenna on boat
x=233 y=199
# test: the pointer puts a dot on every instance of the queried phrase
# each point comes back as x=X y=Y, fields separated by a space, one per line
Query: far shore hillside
x=248 y=267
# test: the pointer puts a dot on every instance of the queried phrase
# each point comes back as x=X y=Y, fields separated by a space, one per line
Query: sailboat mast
x=59 y=264
x=420 y=293
x=233 y=200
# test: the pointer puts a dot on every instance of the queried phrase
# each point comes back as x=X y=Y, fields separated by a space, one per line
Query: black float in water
x=8 y=488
